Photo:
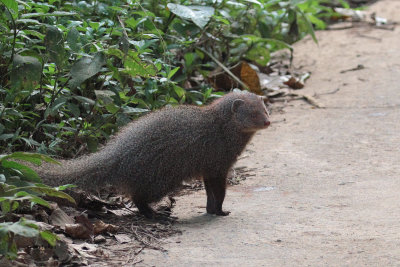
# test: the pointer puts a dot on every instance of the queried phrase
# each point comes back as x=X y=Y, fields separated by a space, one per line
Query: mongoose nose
x=267 y=123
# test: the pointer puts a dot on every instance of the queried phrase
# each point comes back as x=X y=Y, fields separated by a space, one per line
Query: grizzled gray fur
x=151 y=156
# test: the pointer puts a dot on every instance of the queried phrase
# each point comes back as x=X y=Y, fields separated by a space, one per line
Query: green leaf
x=12 y=5
x=254 y=2
x=85 y=68
x=105 y=96
x=49 y=237
x=31 y=157
x=26 y=72
x=172 y=72
x=259 y=53
x=310 y=28
x=5 y=207
x=200 y=15
x=318 y=23
x=27 y=173
x=131 y=110
x=136 y=67
x=180 y=92
x=21 y=228
x=92 y=144
x=14 y=205
x=84 y=100
x=52 y=192
x=54 y=43
x=63 y=187
x=73 y=40
x=55 y=14
x=38 y=200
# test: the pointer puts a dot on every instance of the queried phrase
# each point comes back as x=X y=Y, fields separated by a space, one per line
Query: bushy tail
x=87 y=172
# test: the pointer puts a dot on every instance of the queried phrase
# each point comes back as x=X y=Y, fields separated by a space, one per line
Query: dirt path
x=334 y=172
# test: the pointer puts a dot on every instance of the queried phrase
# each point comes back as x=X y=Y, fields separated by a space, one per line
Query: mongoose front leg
x=215 y=188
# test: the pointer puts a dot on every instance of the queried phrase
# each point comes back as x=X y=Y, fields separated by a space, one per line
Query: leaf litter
x=102 y=236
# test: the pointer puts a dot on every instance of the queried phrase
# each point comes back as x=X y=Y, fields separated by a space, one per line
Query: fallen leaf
x=82 y=219
x=294 y=83
x=123 y=238
x=59 y=218
x=102 y=227
x=249 y=76
x=77 y=230
x=99 y=239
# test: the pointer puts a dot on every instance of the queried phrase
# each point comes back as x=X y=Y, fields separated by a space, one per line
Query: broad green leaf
x=6 y=136
x=12 y=5
x=15 y=205
x=200 y=15
x=28 y=173
x=84 y=100
x=54 y=43
x=136 y=67
x=26 y=72
x=31 y=157
x=73 y=40
x=318 y=23
x=51 y=192
x=131 y=110
x=310 y=28
x=92 y=144
x=5 y=207
x=172 y=72
x=179 y=91
x=105 y=96
x=20 y=228
x=254 y=2
x=63 y=187
x=26 y=21
x=55 y=14
x=85 y=68
x=259 y=53
x=49 y=237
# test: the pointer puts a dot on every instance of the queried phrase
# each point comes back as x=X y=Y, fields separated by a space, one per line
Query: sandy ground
x=327 y=181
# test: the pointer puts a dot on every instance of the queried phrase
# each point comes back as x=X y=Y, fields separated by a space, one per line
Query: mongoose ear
x=236 y=104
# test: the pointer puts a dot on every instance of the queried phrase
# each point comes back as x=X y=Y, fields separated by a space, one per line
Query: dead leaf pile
x=86 y=237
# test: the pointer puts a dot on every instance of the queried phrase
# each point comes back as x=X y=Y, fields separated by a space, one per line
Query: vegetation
x=73 y=72
x=20 y=188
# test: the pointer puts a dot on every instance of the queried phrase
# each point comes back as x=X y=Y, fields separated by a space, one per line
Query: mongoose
x=150 y=157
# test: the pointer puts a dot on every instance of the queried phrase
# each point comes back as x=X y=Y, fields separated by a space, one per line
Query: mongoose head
x=250 y=113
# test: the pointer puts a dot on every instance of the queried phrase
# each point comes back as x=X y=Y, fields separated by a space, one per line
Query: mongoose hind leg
x=145 y=209
x=215 y=188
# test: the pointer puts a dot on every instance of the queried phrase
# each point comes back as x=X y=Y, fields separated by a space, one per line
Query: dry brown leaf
x=294 y=83
x=102 y=227
x=59 y=218
x=77 y=230
x=249 y=76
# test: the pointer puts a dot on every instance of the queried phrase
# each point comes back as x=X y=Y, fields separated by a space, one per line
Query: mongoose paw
x=222 y=213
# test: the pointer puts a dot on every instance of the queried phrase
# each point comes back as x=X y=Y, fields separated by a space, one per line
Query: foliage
x=20 y=185
x=71 y=73
x=25 y=228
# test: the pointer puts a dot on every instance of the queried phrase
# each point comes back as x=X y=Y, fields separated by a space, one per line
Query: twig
x=225 y=68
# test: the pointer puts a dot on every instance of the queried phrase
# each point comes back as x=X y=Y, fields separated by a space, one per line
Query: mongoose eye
x=254 y=115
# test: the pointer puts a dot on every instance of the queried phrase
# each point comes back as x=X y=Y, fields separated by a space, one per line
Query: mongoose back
x=150 y=157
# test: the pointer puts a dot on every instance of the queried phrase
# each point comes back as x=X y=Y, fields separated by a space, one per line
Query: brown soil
x=325 y=190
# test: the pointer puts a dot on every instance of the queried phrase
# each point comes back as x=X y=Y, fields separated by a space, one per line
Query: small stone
x=99 y=239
